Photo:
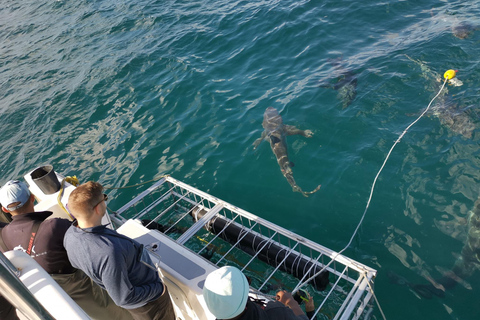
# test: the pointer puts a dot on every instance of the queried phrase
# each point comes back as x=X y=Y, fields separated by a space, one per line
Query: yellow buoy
x=450 y=74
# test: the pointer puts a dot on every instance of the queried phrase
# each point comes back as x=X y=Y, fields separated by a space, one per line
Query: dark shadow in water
x=464 y=267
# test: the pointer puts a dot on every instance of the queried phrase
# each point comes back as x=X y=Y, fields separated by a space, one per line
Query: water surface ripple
x=125 y=91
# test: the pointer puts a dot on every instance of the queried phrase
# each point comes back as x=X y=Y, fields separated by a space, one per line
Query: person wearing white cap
x=42 y=239
x=226 y=294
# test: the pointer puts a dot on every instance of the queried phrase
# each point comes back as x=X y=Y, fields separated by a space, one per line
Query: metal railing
x=269 y=255
x=13 y=289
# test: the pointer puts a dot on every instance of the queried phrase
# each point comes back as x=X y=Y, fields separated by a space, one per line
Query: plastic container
x=46 y=179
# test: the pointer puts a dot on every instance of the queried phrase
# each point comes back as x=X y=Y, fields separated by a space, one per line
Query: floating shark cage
x=270 y=256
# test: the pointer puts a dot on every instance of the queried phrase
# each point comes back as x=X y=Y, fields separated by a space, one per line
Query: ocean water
x=125 y=91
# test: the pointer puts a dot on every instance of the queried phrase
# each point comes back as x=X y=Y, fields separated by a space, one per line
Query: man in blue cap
x=30 y=232
x=42 y=239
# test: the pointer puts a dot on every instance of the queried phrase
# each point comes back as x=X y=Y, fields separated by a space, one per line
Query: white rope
x=300 y=285
x=384 y=162
x=375 y=297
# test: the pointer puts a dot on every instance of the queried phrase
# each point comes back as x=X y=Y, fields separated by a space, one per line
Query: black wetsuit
x=274 y=310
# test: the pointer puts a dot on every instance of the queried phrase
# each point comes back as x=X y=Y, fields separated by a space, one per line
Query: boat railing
x=13 y=289
x=270 y=256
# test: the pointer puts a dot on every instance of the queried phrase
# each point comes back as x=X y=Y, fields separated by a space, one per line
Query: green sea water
x=125 y=91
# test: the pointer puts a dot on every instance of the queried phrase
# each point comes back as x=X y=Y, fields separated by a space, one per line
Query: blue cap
x=14 y=191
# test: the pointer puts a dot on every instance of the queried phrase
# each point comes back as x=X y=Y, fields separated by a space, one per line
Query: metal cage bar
x=291 y=253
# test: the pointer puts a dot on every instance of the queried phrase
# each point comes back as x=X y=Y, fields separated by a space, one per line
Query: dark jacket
x=47 y=248
x=274 y=310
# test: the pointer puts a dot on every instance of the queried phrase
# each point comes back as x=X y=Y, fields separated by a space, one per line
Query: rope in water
x=302 y=284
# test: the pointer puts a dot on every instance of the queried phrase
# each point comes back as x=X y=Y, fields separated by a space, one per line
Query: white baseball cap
x=226 y=292
x=14 y=191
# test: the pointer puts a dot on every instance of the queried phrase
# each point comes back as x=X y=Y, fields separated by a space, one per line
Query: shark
x=446 y=109
x=464 y=30
x=467 y=263
x=460 y=26
x=346 y=85
x=275 y=132
x=469 y=260
x=452 y=116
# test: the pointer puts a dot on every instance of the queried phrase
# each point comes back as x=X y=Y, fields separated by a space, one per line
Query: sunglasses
x=105 y=198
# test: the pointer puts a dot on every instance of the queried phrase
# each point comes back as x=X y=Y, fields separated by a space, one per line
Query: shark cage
x=270 y=256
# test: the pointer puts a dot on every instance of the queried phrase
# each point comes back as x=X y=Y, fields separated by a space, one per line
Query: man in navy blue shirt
x=115 y=262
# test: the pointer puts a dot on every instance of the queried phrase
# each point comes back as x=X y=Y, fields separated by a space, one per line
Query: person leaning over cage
x=226 y=294
x=115 y=262
x=41 y=237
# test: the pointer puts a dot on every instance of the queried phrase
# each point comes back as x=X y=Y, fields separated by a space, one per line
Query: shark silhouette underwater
x=346 y=84
x=446 y=109
x=460 y=26
x=275 y=132
x=464 y=267
x=464 y=30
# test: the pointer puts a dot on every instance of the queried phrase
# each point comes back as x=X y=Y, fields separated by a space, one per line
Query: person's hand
x=287 y=299
x=309 y=306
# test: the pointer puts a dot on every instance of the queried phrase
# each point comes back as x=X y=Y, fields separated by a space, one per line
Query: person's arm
x=310 y=307
x=287 y=299
x=114 y=275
